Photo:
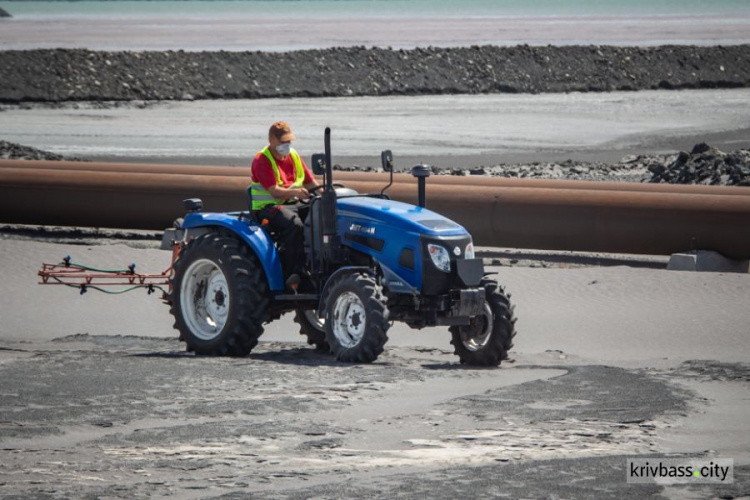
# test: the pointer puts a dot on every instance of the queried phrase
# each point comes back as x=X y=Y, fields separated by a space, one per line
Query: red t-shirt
x=262 y=171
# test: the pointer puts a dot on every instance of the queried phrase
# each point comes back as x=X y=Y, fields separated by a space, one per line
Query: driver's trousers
x=287 y=221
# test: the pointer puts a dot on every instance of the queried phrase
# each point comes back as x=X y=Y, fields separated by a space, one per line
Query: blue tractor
x=370 y=261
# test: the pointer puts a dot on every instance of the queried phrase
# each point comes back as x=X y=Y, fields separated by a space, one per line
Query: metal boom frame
x=83 y=277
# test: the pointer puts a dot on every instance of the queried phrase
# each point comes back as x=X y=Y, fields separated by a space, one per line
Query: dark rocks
x=710 y=166
x=656 y=168
x=626 y=171
x=56 y=75
x=11 y=151
x=4 y=13
x=703 y=165
x=697 y=149
x=352 y=168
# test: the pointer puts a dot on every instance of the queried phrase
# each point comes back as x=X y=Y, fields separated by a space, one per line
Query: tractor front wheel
x=356 y=319
x=488 y=338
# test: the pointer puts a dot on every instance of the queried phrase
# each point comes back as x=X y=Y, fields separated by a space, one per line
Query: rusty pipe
x=344 y=177
x=111 y=199
x=521 y=217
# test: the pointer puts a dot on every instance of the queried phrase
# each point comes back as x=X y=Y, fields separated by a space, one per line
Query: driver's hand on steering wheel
x=302 y=194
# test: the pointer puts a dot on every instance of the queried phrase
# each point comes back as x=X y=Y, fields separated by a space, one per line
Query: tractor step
x=299 y=297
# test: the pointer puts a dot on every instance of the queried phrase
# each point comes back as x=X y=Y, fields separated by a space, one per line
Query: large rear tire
x=313 y=328
x=489 y=337
x=219 y=296
x=356 y=319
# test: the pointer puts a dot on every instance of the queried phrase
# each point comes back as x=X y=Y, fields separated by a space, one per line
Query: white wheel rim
x=312 y=316
x=204 y=299
x=349 y=319
x=476 y=337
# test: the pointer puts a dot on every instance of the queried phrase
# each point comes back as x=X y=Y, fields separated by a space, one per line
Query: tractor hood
x=398 y=215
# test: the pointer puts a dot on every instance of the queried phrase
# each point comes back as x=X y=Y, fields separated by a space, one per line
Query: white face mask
x=284 y=149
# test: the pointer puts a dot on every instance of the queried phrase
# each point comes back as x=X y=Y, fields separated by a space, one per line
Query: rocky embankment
x=4 y=13
x=12 y=151
x=703 y=165
x=75 y=75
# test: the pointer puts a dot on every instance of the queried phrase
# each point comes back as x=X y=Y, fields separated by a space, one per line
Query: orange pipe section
x=522 y=217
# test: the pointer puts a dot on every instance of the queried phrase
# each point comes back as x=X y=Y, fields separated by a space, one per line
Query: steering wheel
x=314 y=189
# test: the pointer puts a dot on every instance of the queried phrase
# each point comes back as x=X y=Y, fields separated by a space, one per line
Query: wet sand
x=446 y=131
x=101 y=399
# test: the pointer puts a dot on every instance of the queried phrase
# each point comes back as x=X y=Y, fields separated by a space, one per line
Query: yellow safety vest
x=261 y=197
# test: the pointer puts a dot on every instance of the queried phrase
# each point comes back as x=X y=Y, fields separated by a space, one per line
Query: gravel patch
x=12 y=151
x=702 y=165
x=54 y=75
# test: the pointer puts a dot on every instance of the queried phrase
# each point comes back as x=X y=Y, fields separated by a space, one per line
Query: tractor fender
x=332 y=279
x=254 y=236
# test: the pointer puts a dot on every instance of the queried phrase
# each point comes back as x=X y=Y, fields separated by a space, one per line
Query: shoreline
x=62 y=75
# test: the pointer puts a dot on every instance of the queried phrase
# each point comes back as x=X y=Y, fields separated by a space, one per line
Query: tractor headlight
x=469 y=253
x=440 y=257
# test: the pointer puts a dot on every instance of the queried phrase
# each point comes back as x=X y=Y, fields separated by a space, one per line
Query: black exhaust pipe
x=329 y=211
x=327 y=150
x=421 y=172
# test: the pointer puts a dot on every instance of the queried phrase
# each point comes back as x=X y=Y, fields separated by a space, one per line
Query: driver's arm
x=282 y=193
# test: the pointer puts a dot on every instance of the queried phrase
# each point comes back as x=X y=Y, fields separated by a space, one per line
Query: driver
x=280 y=179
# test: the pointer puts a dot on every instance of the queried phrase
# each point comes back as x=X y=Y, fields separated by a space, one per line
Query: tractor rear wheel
x=356 y=319
x=313 y=328
x=219 y=296
x=488 y=338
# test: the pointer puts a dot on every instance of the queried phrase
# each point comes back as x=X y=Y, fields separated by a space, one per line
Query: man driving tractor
x=280 y=180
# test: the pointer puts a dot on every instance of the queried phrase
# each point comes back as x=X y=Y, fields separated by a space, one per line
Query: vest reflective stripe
x=261 y=197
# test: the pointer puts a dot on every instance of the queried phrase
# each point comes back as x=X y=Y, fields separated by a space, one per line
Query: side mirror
x=386 y=159
x=318 y=163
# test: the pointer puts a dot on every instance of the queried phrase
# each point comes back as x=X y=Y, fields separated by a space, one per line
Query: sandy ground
x=446 y=131
x=100 y=399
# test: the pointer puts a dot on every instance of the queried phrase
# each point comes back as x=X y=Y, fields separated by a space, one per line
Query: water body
x=285 y=25
x=304 y=9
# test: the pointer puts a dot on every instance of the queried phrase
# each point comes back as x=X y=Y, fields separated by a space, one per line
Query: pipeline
x=562 y=217
x=345 y=176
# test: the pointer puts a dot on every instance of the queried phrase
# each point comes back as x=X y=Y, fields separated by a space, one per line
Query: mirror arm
x=382 y=193
x=386 y=159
